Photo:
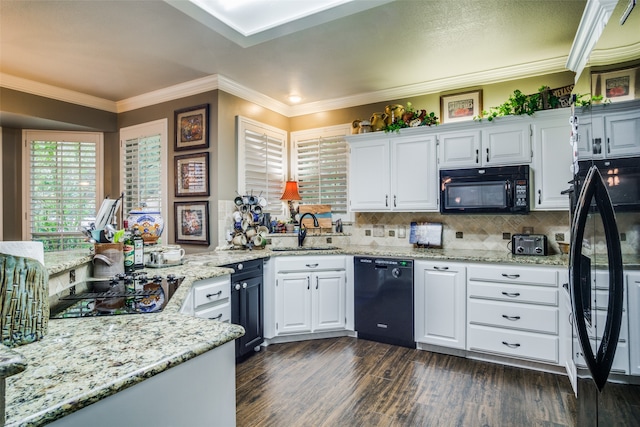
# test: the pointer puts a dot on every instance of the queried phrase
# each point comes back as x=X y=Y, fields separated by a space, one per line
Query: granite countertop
x=80 y=361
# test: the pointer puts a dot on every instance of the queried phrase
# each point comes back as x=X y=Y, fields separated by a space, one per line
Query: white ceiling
x=118 y=50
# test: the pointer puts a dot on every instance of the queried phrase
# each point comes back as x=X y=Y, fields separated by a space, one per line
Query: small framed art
x=615 y=86
x=192 y=128
x=192 y=222
x=192 y=175
x=460 y=107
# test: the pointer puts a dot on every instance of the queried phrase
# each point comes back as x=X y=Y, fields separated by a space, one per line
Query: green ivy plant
x=519 y=104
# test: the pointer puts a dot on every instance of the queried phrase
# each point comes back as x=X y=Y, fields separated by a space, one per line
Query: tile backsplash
x=479 y=232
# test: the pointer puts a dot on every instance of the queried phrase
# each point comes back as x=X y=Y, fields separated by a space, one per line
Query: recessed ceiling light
x=295 y=99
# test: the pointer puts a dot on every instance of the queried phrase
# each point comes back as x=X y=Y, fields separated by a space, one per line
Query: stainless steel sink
x=304 y=248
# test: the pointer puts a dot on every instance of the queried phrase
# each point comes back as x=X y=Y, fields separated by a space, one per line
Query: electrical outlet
x=458 y=234
x=329 y=240
x=72 y=276
x=559 y=237
x=392 y=233
x=268 y=241
x=506 y=236
x=367 y=233
x=72 y=290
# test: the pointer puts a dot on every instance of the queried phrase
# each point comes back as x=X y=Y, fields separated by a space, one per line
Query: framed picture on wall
x=192 y=128
x=460 y=107
x=192 y=175
x=615 y=86
x=192 y=222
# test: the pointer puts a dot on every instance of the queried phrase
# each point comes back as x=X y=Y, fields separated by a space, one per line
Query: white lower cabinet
x=210 y=299
x=513 y=311
x=440 y=304
x=310 y=294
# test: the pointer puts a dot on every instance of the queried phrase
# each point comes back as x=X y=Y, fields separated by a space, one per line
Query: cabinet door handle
x=311 y=265
x=237 y=287
x=511 y=294
x=386 y=200
x=217 y=294
x=317 y=282
x=308 y=282
x=539 y=196
x=394 y=200
x=512 y=318
x=218 y=317
x=608 y=146
x=477 y=155
x=510 y=345
x=244 y=285
x=487 y=154
x=435 y=267
x=510 y=276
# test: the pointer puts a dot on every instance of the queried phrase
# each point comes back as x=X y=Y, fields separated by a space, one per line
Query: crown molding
x=615 y=55
x=594 y=18
x=48 y=91
x=217 y=81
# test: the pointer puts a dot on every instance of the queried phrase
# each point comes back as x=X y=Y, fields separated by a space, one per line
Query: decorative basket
x=24 y=300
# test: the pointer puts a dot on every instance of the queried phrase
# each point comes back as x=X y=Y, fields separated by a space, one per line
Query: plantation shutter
x=262 y=155
x=322 y=166
x=143 y=173
x=62 y=176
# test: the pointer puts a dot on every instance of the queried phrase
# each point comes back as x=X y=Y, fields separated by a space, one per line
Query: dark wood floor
x=351 y=382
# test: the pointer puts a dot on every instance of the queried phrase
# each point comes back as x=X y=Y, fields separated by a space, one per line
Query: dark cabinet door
x=251 y=317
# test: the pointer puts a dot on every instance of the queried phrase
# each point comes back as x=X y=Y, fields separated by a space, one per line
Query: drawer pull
x=511 y=294
x=217 y=294
x=513 y=318
x=510 y=276
x=311 y=265
x=440 y=268
x=218 y=317
x=510 y=345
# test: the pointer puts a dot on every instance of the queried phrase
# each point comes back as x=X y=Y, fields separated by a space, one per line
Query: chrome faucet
x=302 y=231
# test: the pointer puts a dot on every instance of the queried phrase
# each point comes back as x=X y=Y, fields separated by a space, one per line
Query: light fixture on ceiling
x=294 y=99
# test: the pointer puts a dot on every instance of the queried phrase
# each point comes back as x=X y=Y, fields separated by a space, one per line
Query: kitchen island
x=87 y=361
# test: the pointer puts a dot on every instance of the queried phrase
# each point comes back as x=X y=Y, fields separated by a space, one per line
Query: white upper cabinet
x=394 y=173
x=609 y=131
x=495 y=144
x=551 y=160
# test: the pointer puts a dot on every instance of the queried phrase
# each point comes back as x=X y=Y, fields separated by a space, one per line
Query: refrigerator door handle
x=599 y=364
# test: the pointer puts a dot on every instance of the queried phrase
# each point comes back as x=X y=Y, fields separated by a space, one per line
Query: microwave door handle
x=507 y=185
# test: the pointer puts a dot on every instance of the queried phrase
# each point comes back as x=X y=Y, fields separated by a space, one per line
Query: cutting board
x=322 y=212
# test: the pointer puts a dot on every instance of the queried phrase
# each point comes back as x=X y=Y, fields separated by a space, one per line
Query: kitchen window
x=262 y=162
x=143 y=151
x=62 y=172
x=321 y=160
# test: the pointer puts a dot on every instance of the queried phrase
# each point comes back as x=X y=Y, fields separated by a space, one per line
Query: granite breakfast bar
x=86 y=360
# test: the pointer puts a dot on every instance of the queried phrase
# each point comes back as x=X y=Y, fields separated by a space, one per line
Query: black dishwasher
x=246 y=305
x=384 y=300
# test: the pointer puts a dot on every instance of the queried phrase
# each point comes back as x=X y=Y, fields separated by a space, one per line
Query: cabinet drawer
x=513 y=293
x=308 y=263
x=620 y=363
x=206 y=292
x=513 y=316
x=523 y=345
x=221 y=312
x=503 y=273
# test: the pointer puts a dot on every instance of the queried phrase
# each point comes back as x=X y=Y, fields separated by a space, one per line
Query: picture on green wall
x=192 y=128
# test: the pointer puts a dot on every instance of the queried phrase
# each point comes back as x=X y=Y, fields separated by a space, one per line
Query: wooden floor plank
x=351 y=382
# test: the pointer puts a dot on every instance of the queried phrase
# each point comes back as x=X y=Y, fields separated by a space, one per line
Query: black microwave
x=502 y=190
x=621 y=178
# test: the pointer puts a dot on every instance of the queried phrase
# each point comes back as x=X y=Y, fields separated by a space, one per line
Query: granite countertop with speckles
x=84 y=360
x=80 y=361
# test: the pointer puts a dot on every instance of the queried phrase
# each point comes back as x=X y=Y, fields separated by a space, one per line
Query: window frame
x=319 y=133
x=142 y=130
x=58 y=136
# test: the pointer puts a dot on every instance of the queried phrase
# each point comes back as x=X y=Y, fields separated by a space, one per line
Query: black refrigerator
x=608 y=393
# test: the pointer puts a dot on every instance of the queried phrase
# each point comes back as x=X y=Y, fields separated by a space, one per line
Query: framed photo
x=192 y=222
x=192 y=175
x=192 y=128
x=615 y=86
x=460 y=107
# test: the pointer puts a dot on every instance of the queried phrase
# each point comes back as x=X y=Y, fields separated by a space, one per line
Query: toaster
x=529 y=244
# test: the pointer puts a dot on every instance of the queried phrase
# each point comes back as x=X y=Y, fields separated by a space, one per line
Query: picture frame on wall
x=192 y=175
x=192 y=128
x=460 y=107
x=192 y=222
x=615 y=86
